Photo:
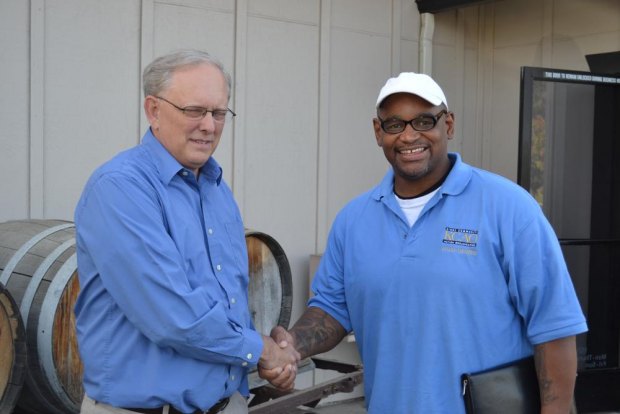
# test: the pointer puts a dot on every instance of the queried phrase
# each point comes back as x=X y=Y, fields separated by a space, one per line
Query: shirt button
x=244 y=364
x=210 y=231
x=232 y=377
x=249 y=356
x=184 y=173
x=218 y=267
x=233 y=301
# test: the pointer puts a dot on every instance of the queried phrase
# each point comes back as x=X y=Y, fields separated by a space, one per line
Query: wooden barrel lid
x=12 y=352
x=271 y=287
x=38 y=263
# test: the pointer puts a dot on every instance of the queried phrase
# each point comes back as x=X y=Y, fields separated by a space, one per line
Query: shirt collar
x=459 y=176
x=454 y=184
x=168 y=166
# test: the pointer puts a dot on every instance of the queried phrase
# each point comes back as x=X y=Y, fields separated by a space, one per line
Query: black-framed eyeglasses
x=197 y=112
x=423 y=122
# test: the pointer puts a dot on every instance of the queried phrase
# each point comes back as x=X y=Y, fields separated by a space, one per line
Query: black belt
x=217 y=407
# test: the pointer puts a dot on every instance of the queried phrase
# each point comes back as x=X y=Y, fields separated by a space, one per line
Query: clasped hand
x=278 y=362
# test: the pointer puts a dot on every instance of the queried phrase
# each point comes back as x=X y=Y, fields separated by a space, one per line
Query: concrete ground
x=352 y=406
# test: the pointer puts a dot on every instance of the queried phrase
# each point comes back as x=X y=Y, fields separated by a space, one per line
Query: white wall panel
x=580 y=18
x=445 y=74
x=91 y=93
x=281 y=139
x=467 y=133
x=410 y=21
x=220 y=5
x=504 y=117
x=471 y=14
x=408 y=56
x=517 y=22
x=360 y=65
x=362 y=54
x=369 y=16
x=299 y=11
x=194 y=26
x=446 y=28
x=570 y=52
x=206 y=26
x=449 y=76
x=14 y=108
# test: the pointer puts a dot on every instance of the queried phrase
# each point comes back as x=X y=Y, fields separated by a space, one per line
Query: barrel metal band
x=19 y=254
x=46 y=325
x=33 y=284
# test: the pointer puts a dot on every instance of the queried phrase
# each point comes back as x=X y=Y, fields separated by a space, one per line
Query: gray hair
x=158 y=74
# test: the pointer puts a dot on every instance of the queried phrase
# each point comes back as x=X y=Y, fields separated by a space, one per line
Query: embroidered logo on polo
x=464 y=241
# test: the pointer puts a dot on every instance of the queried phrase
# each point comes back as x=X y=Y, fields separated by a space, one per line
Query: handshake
x=278 y=362
x=314 y=333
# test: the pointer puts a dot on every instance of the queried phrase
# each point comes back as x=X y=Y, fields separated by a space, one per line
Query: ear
x=376 y=125
x=450 y=125
x=151 y=110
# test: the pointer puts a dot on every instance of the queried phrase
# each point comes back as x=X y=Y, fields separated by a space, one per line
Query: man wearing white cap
x=440 y=270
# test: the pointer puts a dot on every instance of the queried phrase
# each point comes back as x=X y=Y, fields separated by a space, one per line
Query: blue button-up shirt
x=162 y=315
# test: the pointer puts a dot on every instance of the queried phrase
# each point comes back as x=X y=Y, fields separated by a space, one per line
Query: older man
x=163 y=322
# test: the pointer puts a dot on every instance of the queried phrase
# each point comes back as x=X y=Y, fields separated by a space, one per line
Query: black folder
x=507 y=389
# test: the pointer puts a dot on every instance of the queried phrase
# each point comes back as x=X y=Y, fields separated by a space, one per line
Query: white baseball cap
x=414 y=83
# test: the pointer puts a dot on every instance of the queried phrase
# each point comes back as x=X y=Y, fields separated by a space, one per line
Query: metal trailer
x=269 y=400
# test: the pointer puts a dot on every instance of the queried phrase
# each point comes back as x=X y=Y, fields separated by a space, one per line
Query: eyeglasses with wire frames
x=197 y=112
x=421 y=123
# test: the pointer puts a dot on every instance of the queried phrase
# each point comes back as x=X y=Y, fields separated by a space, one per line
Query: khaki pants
x=237 y=405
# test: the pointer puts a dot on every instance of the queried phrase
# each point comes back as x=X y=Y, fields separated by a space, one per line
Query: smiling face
x=190 y=141
x=419 y=159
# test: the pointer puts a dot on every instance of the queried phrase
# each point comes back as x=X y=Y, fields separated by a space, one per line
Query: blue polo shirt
x=474 y=283
x=162 y=315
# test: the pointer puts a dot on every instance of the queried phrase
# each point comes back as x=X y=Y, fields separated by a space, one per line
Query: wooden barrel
x=39 y=267
x=271 y=288
x=12 y=352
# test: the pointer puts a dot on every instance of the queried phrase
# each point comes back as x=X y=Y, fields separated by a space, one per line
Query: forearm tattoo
x=545 y=383
x=316 y=332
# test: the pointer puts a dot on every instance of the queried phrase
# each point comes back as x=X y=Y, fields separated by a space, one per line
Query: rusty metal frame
x=269 y=400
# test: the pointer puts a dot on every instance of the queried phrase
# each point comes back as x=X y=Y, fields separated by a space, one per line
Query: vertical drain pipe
x=425 y=50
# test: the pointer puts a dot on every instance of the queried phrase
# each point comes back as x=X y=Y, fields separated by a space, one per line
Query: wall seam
x=459 y=99
x=322 y=185
x=37 y=111
x=147 y=14
x=239 y=96
x=396 y=34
